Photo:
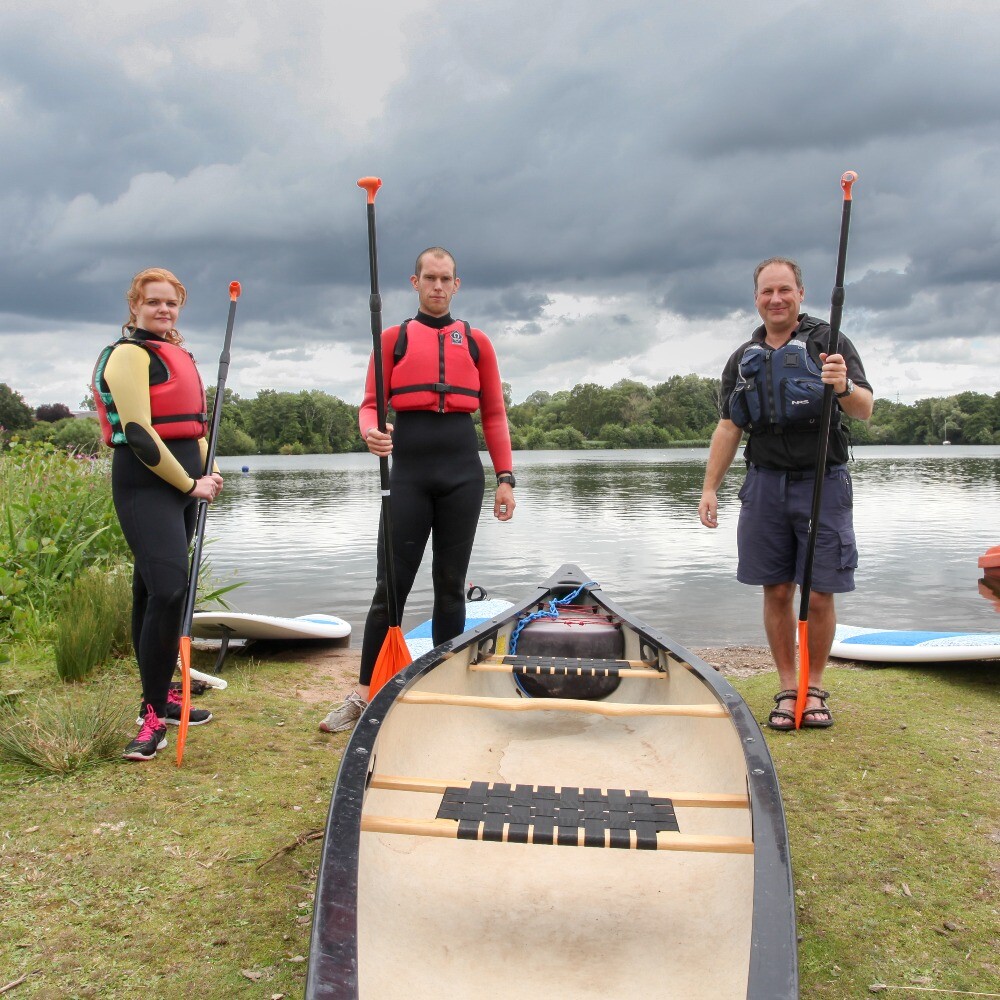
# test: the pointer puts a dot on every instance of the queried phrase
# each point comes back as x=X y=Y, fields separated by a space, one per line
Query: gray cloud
x=600 y=170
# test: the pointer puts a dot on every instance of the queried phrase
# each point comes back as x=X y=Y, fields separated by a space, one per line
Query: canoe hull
x=419 y=913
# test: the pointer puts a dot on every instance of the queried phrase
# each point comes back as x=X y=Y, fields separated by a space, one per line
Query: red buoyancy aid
x=437 y=371
x=177 y=400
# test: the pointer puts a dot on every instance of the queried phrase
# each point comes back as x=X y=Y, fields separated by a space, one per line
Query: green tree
x=590 y=406
x=15 y=414
x=687 y=406
x=233 y=441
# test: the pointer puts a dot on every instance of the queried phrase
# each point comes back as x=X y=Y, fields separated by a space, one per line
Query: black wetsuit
x=158 y=522
x=436 y=483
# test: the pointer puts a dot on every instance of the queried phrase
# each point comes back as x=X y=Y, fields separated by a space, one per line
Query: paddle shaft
x=375 y=308
x=199 y=533
x=833 y=346
x=213 y=437
x=836 y=314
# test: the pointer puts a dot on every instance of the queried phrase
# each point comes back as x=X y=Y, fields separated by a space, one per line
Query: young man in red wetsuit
x=437 y=371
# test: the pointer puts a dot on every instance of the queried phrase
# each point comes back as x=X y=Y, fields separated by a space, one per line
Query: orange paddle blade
x=182 y=732
x=800 y=700
x=392 y=657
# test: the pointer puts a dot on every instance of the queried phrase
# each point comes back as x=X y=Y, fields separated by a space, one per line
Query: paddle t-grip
x=849 y=177
x=234 y=290
x=371 y=185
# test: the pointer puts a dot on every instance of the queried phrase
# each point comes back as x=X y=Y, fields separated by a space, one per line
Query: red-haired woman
x=151 y=404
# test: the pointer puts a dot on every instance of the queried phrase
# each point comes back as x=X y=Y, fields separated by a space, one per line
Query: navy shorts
x=773 y=530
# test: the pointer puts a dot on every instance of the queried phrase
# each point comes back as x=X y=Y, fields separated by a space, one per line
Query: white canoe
x=592 y=815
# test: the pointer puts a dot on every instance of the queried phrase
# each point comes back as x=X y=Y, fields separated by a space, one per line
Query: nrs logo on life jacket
x=177 y=399
x=435 y=369
x=778 y=389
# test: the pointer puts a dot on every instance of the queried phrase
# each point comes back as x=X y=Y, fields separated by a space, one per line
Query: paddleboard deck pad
x=918 y=646
x=239 y=625
x=419 y=640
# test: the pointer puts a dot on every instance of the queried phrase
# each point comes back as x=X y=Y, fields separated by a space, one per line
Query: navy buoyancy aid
x=780 y=389
x=439 y=370
x=177 y=400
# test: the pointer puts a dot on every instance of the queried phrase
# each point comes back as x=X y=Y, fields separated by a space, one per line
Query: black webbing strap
x=549 y=815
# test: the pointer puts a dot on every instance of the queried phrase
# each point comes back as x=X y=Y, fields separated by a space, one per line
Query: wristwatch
x=847 y=391
x=508 y=478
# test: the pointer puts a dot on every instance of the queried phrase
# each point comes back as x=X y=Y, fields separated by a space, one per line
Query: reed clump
x=64 y=733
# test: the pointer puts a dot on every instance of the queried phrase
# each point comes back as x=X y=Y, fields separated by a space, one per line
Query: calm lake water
x=300 y=533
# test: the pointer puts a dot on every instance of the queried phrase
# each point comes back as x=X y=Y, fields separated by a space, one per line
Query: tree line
x=680 y=412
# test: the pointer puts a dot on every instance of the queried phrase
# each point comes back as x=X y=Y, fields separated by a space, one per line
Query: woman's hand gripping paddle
x=199 y=535
x=393 y=655
x=836 y=313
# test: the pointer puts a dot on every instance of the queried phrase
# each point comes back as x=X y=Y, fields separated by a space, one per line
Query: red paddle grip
x=371 y=185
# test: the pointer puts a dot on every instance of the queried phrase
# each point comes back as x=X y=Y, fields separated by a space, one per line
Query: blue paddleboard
x=419 y=641
x=914 y=646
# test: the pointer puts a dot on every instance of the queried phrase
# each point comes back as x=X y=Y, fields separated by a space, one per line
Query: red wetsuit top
x=437 y=373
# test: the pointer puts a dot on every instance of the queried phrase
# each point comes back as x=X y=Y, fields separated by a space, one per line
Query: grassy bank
x=130 y=880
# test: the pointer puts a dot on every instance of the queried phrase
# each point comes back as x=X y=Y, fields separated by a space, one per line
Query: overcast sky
x=607 y=176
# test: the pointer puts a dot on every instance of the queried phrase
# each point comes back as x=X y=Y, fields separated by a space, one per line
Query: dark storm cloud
x=645 y=154
x=679 y=153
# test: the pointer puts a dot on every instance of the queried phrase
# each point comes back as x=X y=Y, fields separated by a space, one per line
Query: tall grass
x=57 y=522
x=56 y=519
x=93 y=623
x=66 y=732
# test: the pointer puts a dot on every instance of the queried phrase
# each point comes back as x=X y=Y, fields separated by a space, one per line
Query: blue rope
x=551 y=612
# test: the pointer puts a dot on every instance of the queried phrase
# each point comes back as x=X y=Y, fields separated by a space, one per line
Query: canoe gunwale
x=333 y=955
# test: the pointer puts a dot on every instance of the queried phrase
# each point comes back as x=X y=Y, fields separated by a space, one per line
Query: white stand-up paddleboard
x=419 y=640
x=227 y=625
x=900 y=646
x=238 y=625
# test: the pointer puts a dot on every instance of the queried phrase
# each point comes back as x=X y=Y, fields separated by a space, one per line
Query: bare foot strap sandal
x=774 y=720
x=809 y=718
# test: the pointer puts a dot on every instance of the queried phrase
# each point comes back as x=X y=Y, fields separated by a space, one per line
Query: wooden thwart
x=448 y=829
x=539 y=666
x=706 y=800
x=611 y=708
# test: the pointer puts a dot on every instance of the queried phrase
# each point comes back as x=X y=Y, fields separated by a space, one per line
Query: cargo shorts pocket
x=848 y=550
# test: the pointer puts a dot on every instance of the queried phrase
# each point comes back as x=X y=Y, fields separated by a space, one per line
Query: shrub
x=81 y=437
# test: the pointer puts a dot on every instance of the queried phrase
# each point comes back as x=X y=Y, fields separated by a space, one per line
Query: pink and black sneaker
x=196 y=716
x=172 y=714
x=152 y=737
